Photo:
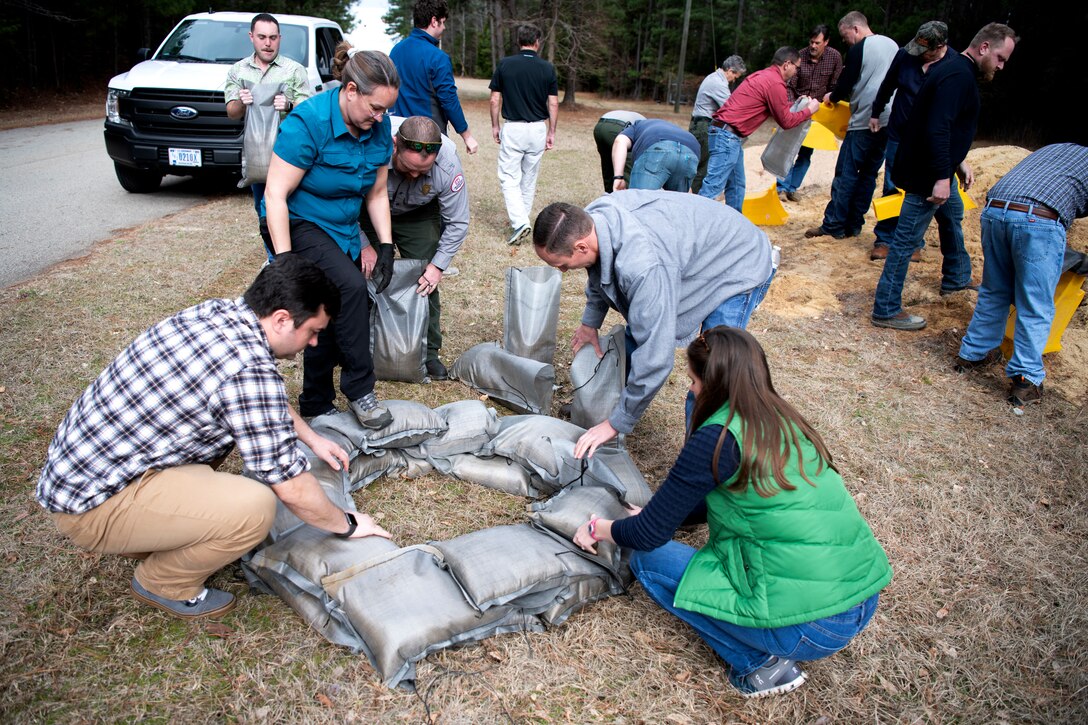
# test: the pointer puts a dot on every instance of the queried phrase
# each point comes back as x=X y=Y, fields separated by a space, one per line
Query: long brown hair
x=733 y=369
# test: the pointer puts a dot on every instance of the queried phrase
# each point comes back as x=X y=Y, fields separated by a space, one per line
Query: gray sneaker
x=520 y=235
x=209 y=603
x=903 y=321
x=777 y=676
x=370 y=413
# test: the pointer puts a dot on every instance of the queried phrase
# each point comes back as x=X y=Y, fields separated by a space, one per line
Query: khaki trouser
x=184 y=523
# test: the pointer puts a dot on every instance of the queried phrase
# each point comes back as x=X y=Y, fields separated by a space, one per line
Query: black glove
x=383 y=268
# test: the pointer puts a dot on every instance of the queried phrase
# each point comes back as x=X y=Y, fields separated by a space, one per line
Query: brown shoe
x=963 y=365
x=793 y=195
x=821 y=232
x=879 y=251
x=917 y=256
x=1023 y=391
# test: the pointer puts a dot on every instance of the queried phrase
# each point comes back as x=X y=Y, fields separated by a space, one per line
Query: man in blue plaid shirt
x=132 y=468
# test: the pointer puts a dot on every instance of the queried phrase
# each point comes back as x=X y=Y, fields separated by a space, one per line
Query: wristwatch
x=352 y=525
x=617 y=178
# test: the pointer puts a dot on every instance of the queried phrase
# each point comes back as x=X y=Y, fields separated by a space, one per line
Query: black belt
x=1039 y=210
x=620 y=121
x=708 y=119
x=722 y=124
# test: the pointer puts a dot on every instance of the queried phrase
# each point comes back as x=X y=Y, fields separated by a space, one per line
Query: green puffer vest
x=795 y=557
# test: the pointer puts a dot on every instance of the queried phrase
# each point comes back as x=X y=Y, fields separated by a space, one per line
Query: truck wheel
x=137 y=181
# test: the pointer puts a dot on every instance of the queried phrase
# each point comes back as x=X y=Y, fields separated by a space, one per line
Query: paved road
x=59 y=195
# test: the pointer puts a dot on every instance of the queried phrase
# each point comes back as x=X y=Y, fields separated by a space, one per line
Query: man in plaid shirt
x=132 y=467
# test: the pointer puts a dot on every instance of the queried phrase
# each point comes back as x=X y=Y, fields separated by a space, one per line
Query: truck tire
x=137 y=181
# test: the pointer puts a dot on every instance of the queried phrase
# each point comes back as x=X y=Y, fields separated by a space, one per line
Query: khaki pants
x=184 y=523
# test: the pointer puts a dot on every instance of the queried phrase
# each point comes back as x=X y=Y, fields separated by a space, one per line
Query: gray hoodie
x=666 y=261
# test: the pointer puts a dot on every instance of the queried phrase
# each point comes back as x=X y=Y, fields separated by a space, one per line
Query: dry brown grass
x=982 y=513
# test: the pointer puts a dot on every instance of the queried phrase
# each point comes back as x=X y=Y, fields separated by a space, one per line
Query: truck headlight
x=113 y=112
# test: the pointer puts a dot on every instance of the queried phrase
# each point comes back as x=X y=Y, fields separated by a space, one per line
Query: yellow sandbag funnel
x=889 y=206
x=819 y=137
x=765 y=209
x=1067 y=297
x=836 y=118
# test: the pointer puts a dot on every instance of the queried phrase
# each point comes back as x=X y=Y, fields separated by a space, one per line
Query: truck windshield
x=218 y=41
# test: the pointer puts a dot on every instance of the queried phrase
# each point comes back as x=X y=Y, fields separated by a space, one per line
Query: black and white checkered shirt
x=1055 y=175
x=183 y=392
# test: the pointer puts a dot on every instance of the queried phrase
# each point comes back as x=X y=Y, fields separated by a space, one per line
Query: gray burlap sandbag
x=413 y=423
x=529 y=440
x=470 y=426
x=609 y=467
x=598 y=382
x=577 y=596
x=293 y=567
x=521 y=384
x=532 y=312
x=335 y=485
x=782 y=149
x=406 y=606
x=498 y=473
x=262 y=125
x=563 y=513
x=398 y=325
x=366 y=468
x=415 y=465
x=515 y=565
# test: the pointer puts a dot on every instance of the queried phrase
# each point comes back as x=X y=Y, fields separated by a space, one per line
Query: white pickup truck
x=167 y=114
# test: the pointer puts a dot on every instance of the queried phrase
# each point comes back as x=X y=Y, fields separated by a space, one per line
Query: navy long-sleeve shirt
x=684 y=490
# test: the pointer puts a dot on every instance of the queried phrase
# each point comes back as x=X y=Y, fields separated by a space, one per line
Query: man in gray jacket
x=671 y=264
x=428 y=204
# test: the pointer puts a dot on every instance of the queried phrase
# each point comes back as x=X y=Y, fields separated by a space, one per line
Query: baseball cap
x=930 y=36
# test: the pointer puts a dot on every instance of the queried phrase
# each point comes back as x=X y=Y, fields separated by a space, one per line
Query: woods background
x=623 y=49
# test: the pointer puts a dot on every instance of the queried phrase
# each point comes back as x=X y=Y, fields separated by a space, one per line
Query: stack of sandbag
x=398 y=604
x=520 y=374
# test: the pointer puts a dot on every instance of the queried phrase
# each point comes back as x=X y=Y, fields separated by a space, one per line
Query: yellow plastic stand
x=835 y=118
x=1067 y=297
x=819 y=137
x=889 y=206
x=765 y=209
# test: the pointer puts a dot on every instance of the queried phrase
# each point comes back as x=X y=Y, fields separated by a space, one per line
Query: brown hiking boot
x=1022 y=391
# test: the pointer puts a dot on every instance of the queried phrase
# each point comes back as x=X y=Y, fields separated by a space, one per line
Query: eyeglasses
x=420 y=146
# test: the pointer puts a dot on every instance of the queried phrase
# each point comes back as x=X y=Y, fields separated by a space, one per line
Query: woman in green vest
x=791 y=571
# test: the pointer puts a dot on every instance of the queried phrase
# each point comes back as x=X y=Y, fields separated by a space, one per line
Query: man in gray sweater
x=862 y=151
x=672 y=264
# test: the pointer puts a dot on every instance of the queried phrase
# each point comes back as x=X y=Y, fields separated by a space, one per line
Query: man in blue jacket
x=426 y=73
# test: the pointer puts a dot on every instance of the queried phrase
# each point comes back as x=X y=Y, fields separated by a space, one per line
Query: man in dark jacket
x=935 y=143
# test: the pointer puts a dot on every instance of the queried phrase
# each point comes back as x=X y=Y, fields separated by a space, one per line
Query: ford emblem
x=184 y=113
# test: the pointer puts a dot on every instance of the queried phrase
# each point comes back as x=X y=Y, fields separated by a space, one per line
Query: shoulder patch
x=458 y=183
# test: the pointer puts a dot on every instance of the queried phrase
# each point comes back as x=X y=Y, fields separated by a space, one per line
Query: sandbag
x=412 y=424
x=335 y=485
x=521 y=384
x=398 y=325
x=609 y=467
x=781 y=150
x=529 y=440
x=470 y=425
x=405 y=606
x=563 y=513
x=575 y=597
x=293 y=567
x=498 y=473
x=513 y=565
x=366 y=468
x=261 y=127
x=531 y=316
x=598 y=382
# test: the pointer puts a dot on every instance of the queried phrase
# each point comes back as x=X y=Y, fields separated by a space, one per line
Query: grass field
x=982 y=513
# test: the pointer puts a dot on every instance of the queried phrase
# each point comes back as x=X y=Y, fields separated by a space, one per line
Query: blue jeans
x=793 y=180
x=1023 y=261
x=667 y=165
x=746 y=649
x=949 y=218
x=855 y=180
x=733 y=312
x=909 y=235
x=724 y=167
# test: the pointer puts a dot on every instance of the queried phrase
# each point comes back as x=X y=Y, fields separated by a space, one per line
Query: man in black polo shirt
x=526 y=90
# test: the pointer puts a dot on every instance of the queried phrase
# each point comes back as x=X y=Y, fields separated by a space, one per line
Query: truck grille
x=149 y=110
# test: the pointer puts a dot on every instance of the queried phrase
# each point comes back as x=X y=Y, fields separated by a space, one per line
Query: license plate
x=184 y=157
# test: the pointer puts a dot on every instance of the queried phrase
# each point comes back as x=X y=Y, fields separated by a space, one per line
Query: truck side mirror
x=143 y=54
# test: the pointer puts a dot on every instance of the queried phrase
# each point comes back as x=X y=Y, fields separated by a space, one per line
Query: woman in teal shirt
x=331 y=155
x=791 y=571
